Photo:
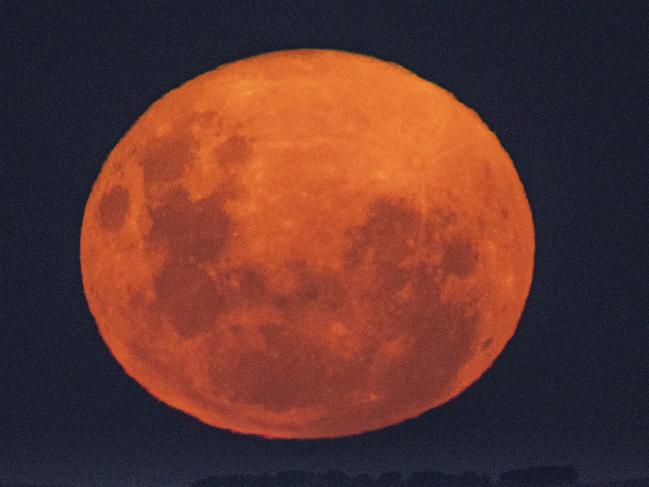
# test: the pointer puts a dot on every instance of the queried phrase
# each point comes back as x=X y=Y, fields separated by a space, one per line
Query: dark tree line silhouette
x=540 y=476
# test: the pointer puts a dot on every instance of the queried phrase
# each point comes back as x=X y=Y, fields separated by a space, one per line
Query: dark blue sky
x=564 y=87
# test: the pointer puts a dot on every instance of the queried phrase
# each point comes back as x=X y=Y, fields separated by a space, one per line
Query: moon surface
x=307 y=244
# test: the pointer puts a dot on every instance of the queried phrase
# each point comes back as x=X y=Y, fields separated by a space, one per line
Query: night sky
x=563 y=86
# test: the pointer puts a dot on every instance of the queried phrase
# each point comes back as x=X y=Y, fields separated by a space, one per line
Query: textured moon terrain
x=307 y=244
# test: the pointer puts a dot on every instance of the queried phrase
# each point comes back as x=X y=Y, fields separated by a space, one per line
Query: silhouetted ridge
x=541 y=476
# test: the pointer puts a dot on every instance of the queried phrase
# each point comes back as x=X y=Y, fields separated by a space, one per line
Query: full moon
x=307 y=244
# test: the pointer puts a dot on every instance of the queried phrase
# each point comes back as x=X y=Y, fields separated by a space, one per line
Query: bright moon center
x=307 y=244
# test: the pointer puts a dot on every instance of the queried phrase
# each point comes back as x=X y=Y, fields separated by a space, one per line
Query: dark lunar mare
x=390 y=250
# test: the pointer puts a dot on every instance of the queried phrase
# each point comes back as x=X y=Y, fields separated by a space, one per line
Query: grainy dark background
x=563 y=85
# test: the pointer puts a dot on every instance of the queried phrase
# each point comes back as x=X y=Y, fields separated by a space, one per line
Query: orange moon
x=307 y=244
